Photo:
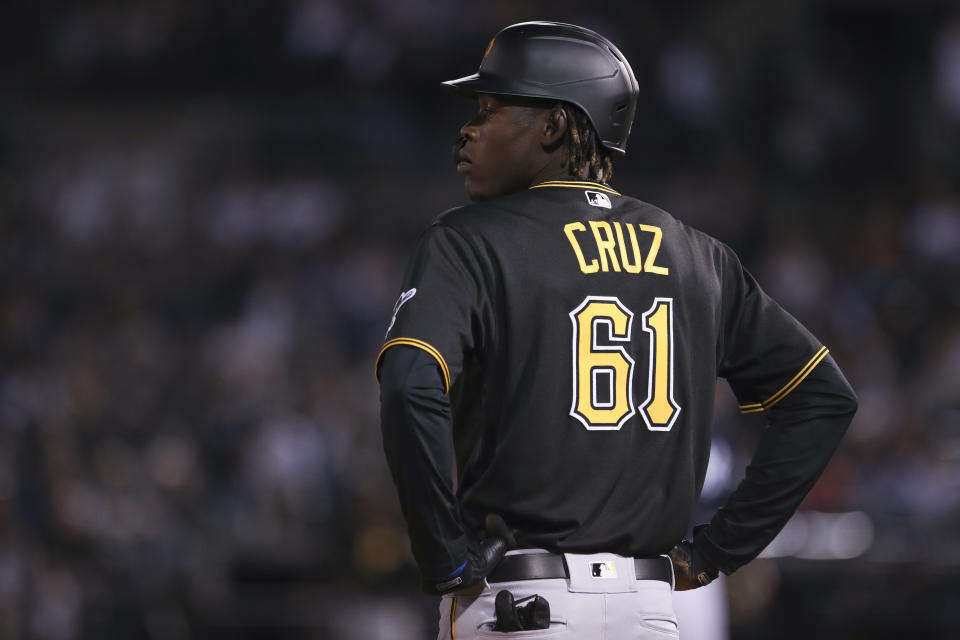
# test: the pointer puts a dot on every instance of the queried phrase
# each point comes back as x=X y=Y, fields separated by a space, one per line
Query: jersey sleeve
x=764 y=353
x=776 y=366
x=441 y=308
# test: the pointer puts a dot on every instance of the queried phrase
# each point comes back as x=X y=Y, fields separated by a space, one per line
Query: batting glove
x=482 y=557
x=691 y=570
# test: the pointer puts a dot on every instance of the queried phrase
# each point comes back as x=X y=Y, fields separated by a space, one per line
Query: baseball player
x=548 y=375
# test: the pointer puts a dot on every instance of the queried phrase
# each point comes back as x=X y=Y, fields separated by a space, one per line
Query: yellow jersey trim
x=420 y=344
x=576 y=184
x=757 y=407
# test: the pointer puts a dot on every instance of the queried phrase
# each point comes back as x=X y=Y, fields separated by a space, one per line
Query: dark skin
x=511 y=144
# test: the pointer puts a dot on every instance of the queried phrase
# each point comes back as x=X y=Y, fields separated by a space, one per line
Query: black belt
x=542 y=566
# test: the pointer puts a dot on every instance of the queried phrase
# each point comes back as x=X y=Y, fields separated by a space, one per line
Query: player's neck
x=555 y=169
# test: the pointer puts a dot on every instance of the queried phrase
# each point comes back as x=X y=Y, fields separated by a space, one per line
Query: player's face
x=503 y=150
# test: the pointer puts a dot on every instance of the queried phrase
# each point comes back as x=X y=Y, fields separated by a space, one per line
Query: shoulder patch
x=404 y=297
x=598 y=199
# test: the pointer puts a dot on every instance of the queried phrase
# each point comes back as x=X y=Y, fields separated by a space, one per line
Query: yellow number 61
x=603 y=373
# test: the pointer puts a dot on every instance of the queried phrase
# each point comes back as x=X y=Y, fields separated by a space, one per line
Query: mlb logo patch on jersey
x=598 y=199
x=603 y=569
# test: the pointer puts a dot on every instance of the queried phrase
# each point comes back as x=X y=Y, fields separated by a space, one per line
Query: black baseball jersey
x=579 y=334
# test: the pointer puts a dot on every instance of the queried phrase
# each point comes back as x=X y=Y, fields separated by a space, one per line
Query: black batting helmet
x=564 y=62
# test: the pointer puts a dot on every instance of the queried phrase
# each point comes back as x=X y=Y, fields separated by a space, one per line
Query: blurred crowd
x=205 y=211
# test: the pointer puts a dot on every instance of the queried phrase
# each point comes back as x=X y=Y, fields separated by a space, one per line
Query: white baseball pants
x=613 y=605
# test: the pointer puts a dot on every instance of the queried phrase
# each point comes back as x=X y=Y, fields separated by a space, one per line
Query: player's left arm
x=440 y=317
x=417 y=440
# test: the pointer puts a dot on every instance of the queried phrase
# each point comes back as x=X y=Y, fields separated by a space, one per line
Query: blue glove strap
x=457 y=571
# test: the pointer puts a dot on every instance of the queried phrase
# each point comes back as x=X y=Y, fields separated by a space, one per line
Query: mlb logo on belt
x=598 y=199
x=603 y=570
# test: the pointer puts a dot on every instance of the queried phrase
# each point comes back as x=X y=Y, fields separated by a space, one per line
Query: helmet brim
x=476 y=83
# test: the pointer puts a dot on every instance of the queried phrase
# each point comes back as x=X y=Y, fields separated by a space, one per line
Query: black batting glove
x=691 y=570
x=482 y=557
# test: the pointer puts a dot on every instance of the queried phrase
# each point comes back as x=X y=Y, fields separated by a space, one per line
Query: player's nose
x=468 y=131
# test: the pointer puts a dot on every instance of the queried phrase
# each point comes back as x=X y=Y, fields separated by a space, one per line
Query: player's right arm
x=775 y=367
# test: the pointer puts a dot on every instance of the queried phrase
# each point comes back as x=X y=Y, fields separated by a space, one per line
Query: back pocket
x=558 y=627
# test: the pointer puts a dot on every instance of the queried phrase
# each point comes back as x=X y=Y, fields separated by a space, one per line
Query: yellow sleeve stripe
x=787 y=388
x=420 y=344
x=576 y=184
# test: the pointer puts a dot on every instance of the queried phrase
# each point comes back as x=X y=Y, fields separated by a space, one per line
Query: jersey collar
x=576 y=184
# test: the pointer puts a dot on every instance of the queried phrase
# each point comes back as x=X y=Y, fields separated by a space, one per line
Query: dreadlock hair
x=584 y=156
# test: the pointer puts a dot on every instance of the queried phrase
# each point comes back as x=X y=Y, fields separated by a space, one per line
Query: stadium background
x=205 y=209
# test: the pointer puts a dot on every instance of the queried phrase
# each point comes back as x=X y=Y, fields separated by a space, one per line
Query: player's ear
x=554 y=127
